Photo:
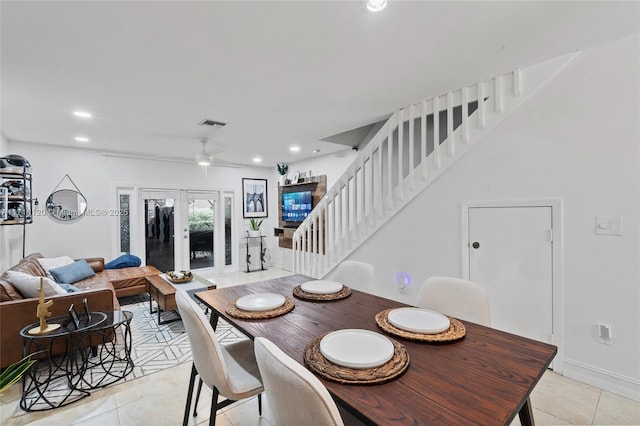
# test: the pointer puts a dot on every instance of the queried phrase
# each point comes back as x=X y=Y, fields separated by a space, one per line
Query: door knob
x=475 y=245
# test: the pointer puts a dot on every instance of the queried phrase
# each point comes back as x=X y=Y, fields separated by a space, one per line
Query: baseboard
x=606 y=380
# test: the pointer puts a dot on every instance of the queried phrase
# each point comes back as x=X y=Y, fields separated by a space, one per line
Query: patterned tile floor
x=157 y=394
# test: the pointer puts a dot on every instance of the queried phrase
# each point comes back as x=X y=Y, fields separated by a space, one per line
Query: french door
x=187 y=230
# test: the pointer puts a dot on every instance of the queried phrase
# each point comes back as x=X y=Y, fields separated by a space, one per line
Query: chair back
x=458 y=298
x=206 y=351
x=294 y=395
x=355 y=274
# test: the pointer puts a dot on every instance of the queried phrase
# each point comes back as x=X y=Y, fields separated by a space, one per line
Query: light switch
x=609 y=225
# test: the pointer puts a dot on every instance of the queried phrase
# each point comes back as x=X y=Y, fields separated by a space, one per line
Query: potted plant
x=255 y=227
x=282 y=170
x=15 y=371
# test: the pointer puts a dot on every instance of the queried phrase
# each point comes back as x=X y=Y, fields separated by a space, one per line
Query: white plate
x=419 y=320
x=260 y=302
x=321 y=287
x=355 y=348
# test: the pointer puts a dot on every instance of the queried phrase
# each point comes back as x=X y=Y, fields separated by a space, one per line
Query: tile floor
x=158 y=399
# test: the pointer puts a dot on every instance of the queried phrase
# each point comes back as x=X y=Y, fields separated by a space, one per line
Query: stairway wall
x=578 y=139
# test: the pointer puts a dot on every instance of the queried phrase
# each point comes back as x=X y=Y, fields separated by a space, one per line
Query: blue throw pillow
x=124 y=261
x=69 y=287
x=73 y=273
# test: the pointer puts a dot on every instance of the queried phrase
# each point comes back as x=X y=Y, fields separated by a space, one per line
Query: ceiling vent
x=211 y=123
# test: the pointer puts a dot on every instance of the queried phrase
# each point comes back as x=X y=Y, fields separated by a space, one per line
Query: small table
x=110 y=364
x=163 y=292
x=53 y=381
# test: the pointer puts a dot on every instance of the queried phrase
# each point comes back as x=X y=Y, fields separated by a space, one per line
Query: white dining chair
x=229 y=370
x=294 y=395
x=466 y=300
x=354 y=274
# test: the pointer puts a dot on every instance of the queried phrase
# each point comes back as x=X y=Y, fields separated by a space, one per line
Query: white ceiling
x=279 y=73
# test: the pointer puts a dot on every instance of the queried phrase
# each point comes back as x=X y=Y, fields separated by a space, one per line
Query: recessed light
x=376 y=5
x=315 y=151
x=82 y=114
x=294 y=148
x=82 y=139
x=257 y=160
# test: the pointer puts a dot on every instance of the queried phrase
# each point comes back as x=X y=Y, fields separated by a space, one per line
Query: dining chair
x=354 y=274
x=229 y=370
x=459 y=298
x=294 y=395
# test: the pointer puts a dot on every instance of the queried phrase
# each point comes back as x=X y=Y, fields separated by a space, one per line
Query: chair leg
x=260 y=404
x=192 y=381
x=214 y=407
x=195 y=406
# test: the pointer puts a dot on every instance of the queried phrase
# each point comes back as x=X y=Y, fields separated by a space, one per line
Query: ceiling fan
x=204 y=158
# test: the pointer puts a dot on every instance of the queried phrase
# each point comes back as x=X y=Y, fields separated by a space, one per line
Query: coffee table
x=163 y=292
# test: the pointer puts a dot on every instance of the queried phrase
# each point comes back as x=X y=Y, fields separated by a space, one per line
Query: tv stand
x=318 y=187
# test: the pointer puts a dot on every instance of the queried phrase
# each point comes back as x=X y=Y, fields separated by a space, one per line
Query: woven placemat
x=392 y=369
x=301 y=294
x=455 y=332
x=234 y=311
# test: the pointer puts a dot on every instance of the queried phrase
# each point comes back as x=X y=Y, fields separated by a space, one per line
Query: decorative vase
x=283 y=180
x=254 y=233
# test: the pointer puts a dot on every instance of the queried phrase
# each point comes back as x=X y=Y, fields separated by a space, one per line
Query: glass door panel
x=159 y=232
x=201 y=218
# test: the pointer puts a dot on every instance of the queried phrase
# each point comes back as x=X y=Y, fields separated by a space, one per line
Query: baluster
x=465 y=115
x=412 y=182
x=436 y=131
x=423 y=138
x=390 y=167
x=338 y=208
x=450 y=124
x=380 y=205
x=517 y=82
x=321 y=240
x=357 y=206
x=498 y=93
x=481 y=117
x=347 y=216
x=400 y=154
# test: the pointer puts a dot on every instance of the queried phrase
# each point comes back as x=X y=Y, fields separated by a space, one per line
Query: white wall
x=577 y=139
x=97 y=176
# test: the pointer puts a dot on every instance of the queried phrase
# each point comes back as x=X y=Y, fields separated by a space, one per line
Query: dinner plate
x=354 y=348
x=260 y=302
x=321 y=287
x=419 y=320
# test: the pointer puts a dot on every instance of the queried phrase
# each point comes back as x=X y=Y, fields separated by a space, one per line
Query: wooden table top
x=485 y=378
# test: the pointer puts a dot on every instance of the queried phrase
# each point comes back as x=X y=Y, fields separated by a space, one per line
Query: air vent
x=211 y=123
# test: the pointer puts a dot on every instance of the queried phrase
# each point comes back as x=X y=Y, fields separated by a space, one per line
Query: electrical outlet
x=605 y=334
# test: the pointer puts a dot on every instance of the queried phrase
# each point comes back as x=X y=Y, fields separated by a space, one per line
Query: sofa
x=101 y=291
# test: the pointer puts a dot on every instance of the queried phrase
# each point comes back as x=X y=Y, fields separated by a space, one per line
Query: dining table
x=485 y=377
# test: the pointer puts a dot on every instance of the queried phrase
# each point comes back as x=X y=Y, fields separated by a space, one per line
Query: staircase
x=402 y=160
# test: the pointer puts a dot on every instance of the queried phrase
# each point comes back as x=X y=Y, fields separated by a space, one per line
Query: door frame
x=557 y=266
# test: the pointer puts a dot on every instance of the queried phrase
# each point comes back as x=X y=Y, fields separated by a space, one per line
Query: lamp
x=203 y=158
x=376 y=5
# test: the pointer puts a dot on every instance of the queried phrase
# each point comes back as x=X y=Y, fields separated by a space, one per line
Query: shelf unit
x=16 y=204
x=318 y=187
x=261 y=254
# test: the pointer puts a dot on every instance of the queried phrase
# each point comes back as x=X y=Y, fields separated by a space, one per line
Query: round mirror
x=66 y=205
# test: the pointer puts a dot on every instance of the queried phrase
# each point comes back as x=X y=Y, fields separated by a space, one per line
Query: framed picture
x=254 y=197
x=74 y=317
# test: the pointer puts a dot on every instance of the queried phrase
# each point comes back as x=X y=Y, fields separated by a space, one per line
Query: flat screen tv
x=296 y=206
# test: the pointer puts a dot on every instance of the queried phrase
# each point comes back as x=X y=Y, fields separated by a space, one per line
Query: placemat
x=392 y=369
x=236 y=312
x=301 y=294
x=455 y=332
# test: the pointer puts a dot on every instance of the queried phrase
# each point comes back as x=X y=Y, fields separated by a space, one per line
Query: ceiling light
x=257 y=160
x=294 y=148
x=81 y=139
x=376 y=5
x=315 y=151
x=82 y=114
x=203 y=158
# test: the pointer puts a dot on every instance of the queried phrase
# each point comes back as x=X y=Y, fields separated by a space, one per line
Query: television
x=296 y=206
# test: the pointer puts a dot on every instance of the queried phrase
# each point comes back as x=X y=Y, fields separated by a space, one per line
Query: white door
x=511 y=255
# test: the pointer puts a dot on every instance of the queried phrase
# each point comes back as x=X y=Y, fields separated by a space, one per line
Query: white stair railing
x=397 y=164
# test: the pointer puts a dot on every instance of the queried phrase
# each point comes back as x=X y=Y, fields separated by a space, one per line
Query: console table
x=262 y=253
